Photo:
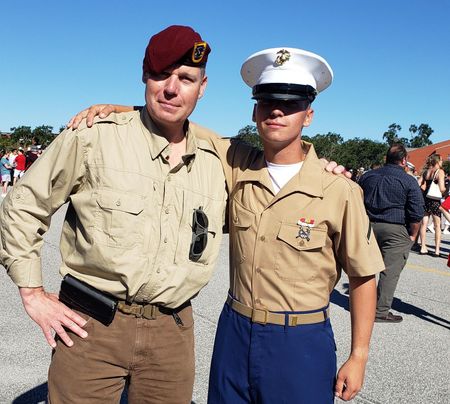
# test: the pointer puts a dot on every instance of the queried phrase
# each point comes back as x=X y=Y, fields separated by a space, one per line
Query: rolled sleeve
x=26 y=211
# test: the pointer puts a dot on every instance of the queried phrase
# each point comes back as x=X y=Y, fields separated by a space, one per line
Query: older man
x=395 y=206
x=140 y=237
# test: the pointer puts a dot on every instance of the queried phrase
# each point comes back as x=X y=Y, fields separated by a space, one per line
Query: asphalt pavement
x=409 y=362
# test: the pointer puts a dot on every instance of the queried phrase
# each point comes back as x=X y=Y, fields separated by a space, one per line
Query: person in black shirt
x=395 y=207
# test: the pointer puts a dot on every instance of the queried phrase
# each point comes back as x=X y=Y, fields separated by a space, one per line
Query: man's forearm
x=362 y=310
x=414 y=230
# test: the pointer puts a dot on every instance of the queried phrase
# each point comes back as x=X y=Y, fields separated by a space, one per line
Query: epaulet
x=337 y=179
x=117 y=118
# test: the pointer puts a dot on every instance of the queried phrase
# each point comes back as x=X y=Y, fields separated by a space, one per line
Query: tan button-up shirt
x=128 y=227
x=274 y=267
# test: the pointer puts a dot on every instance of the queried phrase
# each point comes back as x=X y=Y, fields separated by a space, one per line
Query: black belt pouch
x=80 y=296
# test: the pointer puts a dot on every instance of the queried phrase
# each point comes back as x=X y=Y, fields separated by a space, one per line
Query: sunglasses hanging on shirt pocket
x=199 y=234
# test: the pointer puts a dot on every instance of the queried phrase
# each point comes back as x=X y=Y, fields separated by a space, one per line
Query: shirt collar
x=158 y=143
x=395 y=166
x=306 y=181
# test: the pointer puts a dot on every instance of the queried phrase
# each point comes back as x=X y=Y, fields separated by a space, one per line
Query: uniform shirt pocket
x=298 y=258
x=118 y=221
x=240 y=233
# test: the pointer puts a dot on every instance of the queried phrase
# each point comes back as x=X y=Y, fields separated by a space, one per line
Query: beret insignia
x=198 y=52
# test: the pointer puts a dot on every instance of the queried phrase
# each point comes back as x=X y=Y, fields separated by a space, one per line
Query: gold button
x=262 y=238
x=118 y=203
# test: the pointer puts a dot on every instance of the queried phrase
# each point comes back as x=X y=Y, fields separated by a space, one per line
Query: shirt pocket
x=240 y=234
x=214 y=210
x=118 y=220
x=298 y=259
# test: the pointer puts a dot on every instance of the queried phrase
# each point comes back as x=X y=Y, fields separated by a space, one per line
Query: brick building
x=419 y=156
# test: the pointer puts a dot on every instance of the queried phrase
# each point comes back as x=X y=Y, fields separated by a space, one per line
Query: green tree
x=420 y=136
x=446 y=167
x=355 y=153
x=43 y=134
x=392 y=135
x=249 y=134
x=6 y=143
x=328 y=145
x=21 y=134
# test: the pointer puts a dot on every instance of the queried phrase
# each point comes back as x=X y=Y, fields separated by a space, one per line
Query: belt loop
x=325 y=313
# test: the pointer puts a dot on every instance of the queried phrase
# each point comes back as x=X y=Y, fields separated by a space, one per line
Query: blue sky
x=391 y=58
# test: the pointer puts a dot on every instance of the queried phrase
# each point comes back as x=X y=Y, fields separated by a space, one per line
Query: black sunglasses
x=199 y=234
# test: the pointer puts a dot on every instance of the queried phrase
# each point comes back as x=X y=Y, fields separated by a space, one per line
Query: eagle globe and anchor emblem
x=283 y=57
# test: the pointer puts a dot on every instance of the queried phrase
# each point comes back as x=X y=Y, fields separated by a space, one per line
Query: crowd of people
x=436 y=217
x=14 y=162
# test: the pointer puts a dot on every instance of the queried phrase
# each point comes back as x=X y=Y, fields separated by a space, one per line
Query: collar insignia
x=305 y=226
x=283 y=57
x=198 y=51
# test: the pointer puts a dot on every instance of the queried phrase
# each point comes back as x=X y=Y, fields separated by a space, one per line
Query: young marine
x=293 y=227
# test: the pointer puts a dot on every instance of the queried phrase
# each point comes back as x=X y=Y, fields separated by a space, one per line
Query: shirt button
x=262 y=238
x=258 y=301
x=165 y=240
x=301 y=242
x=169 y=178
x=123 y=117
x=158 y=270
x=167 y=210
x=258 y=270
x=118 y=203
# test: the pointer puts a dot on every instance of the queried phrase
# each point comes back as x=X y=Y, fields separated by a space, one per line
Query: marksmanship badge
x=283 y=57
x=305 y=226
x=198 y=51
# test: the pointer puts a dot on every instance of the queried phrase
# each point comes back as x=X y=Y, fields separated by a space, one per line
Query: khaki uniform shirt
x=128 y=226
x=271 y=266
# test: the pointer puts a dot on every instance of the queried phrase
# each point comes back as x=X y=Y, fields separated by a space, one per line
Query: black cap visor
x=284 y=91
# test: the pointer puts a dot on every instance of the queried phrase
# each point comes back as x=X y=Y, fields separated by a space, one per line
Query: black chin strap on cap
x=284 y=91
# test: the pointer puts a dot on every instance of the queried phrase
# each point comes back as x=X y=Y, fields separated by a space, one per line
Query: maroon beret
x=176 y=44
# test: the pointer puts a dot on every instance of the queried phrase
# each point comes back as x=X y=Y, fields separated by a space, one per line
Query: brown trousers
x=155 y=357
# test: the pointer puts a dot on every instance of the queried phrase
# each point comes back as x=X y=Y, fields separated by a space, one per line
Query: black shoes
x=390 y=318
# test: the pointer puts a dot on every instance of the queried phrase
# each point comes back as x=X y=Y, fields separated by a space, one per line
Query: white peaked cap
x=287 y=66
